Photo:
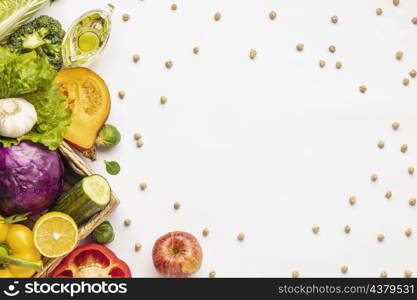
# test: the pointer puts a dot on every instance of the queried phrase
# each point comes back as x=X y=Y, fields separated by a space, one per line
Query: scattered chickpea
x=163 y=99
x=177 y=205
x=381 y=144
x=140 y=143
x=347 y=228
x=252 y=53
x=380 y=237
x=138 y=246
x=174 y=6
x=404 y=148
x=395 y=2
x=295 y=274
x=412 y=201
x=408 y=273
x=414 y=20
x=322 y=63
x=205 y=232
x=413 y=73
x=379 y=11
x=127 y=222
x=410 y=170
x=169 y=64
x=299 y=47
x=217 y=16
x=126 y=17
x=363 y=89
x=137 y=136
x=143 y=186
x=136 y=58
x=315 y=229
x=332 y=48
x=352 y=200
x=388 y=194
x=408 y=232
x=334 y=19
x=344 y=269
x=122 y=94
x=395 y=125
x=272 y=15
x=406 y=81
x=374 y=177
x=338 y=65
x=196 y=50
x=241 y=236
x=212 y=274
x=383 y=274
x=399 y=55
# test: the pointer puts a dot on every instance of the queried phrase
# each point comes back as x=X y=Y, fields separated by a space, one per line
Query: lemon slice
x=55 y=234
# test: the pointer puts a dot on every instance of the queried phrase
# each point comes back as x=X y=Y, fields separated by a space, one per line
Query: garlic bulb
x=17 y=117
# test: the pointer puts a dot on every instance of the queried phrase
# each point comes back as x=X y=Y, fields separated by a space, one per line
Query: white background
x=269 y=146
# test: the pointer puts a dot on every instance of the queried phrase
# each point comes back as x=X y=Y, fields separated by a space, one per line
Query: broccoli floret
x=44 y=34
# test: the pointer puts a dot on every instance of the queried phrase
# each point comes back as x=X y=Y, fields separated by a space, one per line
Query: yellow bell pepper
x=18 y=254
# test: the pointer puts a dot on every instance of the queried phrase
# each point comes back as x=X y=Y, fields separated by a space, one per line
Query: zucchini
x=86 y=198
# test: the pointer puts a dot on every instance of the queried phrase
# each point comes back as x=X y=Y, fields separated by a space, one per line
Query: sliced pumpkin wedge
x=89 y=98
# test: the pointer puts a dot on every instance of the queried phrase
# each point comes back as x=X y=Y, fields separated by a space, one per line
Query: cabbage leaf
x=14 y=13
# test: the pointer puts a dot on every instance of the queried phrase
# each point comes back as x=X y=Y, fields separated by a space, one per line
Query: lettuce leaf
x=30 y=77
x=23 y=74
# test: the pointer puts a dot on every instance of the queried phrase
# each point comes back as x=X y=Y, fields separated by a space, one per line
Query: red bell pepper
x=92 y=261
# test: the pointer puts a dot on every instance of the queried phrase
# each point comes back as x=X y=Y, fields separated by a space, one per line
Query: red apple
x=177 y=254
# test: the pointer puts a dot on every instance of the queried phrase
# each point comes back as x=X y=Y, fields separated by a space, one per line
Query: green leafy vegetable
x=14 y=13
x=44 y=34
x=31 y=77
x=14 y=219
x=23 y=74
x=112 y=167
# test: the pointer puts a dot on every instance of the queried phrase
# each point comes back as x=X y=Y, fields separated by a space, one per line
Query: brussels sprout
x=108 y=136
x=104 y=233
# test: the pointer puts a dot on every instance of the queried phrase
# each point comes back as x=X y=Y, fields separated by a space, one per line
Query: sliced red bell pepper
x=92 y=261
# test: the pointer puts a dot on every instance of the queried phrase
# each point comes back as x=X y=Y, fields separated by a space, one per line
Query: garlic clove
x=17 y=117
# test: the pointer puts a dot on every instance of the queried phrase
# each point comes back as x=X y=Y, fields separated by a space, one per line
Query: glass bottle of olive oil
x=87 y=37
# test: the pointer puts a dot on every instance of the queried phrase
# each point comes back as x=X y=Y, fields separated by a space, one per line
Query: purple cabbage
x=31 y=178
